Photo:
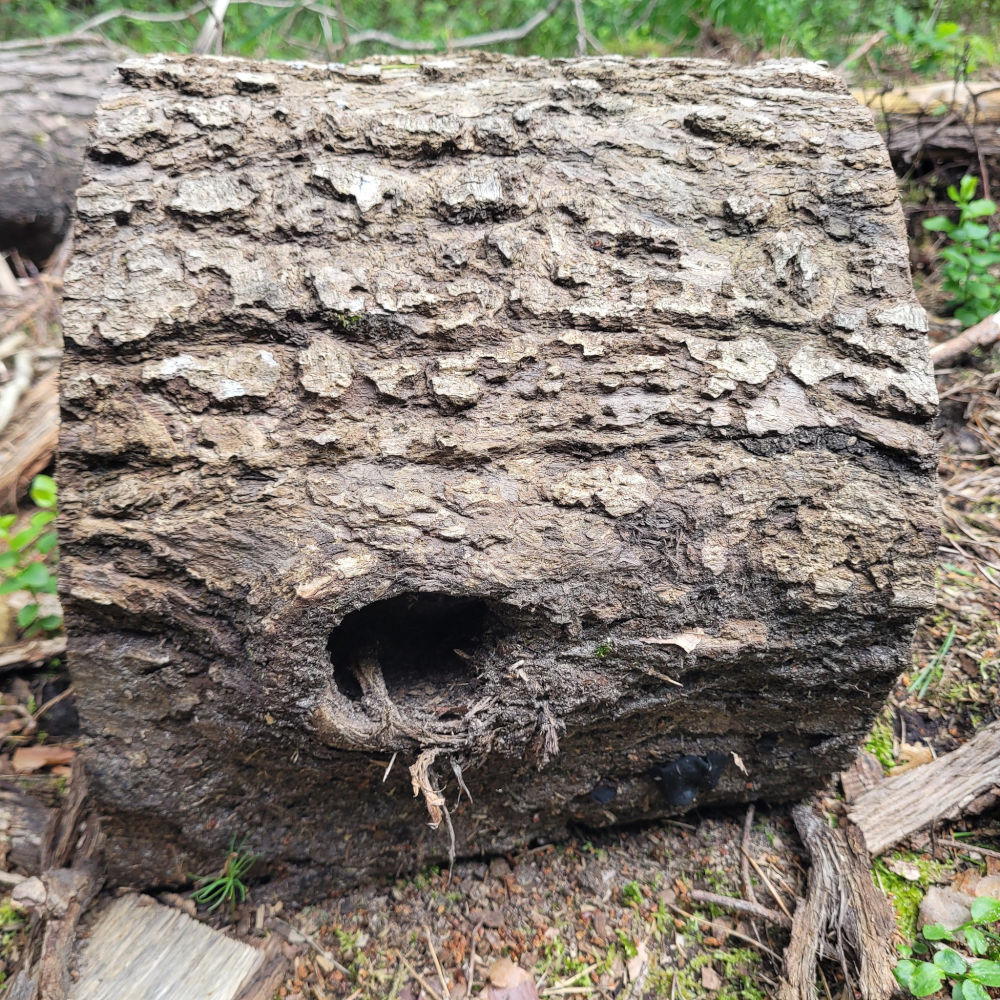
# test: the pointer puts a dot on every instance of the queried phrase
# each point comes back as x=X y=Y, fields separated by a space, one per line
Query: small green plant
x=971 y=259
x=603 y=650
x=968 y=976
x=882 y=745
x=632 y=894
x=22 y=565
x=228 y=885
x=932 y=672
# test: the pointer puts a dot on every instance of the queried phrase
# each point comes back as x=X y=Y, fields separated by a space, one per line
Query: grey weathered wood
x=139 y=949
x=843 y=912
x=606 y=373
x=24 y=823
x=942 y=789
x=48 y=95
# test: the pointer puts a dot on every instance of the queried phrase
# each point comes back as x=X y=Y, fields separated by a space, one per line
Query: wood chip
x=29 y=759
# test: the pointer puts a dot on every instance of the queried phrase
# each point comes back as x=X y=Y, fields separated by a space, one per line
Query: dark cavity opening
x=429 y=647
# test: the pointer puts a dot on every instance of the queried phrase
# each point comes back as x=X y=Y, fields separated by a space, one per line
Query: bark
x=48 y=97
x=552 y=431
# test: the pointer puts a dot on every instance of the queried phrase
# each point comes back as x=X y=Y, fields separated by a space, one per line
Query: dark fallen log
x=943 y=789
x=49 y=95
x=944 y=123
x=548 y=433
x=843 y=913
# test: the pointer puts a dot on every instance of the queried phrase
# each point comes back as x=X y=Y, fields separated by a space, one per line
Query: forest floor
x=612 y=915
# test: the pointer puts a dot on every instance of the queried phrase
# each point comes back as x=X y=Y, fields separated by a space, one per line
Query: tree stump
x=49 y=95
x=495 y=442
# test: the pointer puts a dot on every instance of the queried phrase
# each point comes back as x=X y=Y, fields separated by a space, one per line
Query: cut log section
x=547 y=433
x=49 y=94
x=944 y=789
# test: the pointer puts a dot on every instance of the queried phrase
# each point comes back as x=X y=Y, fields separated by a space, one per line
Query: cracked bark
x=573 y=412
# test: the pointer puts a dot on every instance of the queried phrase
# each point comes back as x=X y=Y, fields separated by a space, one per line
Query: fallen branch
x=985 y=333
x=740 y=906
x=36 y=651
x=842 y=905
x=942 y=789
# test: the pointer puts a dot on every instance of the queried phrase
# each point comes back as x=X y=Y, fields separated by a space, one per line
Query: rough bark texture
x=47 y=97
x=551 y=420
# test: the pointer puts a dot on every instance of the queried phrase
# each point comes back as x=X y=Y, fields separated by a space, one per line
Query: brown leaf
x=710 y=979
x=508 y=981
x=28 y=759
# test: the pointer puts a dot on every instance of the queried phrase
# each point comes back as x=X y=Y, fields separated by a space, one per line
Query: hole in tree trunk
x=428 y=647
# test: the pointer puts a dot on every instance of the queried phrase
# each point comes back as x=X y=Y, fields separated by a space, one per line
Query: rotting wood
x=843 y=910
x=31 y=651
x=143 y=950
x=941 y=790
x=554 y=419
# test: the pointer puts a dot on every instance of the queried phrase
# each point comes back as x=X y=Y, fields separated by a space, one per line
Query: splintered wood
x=144 y=951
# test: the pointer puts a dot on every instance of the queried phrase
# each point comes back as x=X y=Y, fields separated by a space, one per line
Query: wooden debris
x=843 y=905
x=23 y=825
x=863 y=775
x=137 y=947
x=942 y=789
x=34 y=651
x=985 y=333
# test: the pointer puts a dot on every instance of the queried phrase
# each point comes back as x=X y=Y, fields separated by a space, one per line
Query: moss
x=881 y=743
x=906 y=895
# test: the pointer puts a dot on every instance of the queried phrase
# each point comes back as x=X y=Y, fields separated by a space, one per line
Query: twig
x=472 y=960
x=437 y=964
x=985 y=333
x=862 y=50
x=748 y=892
x=741 y=906
x=12 y=391
x=727 y=931
x=8 y=283
x=770 y=888
x=985 y=851
x=581 y=28
x=211 y=30
x=419 y=978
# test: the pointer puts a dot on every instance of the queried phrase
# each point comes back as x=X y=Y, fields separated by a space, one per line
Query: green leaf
x=957 y=257
x=7 y=521
x=950 y=961
x=985 y=910
x=42 y=517
x=50 y=623
x=34 y=576
x=43 y=491
x=27 y=615
x=987 y=973
x=938 y=224
x=8 y=560
x=938 y=932
x=967 y=187
x=976 y=940
x=984 y=260
x=47 y=542
x=904 y=972
x=926 y=979
x=971 y=990
x=970 y=231
x=979 y=208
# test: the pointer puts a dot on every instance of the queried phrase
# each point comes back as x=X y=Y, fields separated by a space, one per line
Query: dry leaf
x=508 y=981
x=904 y=869
x=28 y=759
x=911 y=756
x=738 y=761
x=637 y=963
x=688 y=641
x=710 y=979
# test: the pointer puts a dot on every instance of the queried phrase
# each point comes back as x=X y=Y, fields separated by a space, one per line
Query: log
x=943 y=789
x=535 y=434
x=944 y=123
x=49 y=94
